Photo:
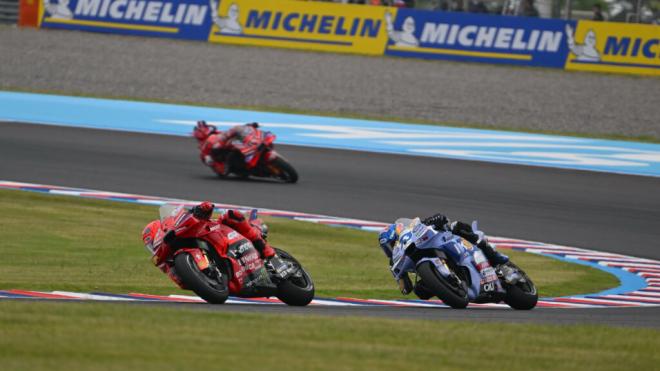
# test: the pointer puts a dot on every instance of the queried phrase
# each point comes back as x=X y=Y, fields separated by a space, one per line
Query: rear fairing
x=250 y=277
x=483 y=281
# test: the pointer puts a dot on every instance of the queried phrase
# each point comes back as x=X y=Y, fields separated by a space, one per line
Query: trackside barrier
x=9 y=11
x=616 y=47
x=372 y=30
x=302 y=25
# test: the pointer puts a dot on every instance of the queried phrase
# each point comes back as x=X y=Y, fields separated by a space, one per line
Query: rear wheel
x=210 y=284
x=283 y=170
x=522 y=295
x=297 y=289
x=452 y=293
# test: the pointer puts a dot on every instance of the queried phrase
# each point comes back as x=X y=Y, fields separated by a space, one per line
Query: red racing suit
x=232 y=218
x=212 y=149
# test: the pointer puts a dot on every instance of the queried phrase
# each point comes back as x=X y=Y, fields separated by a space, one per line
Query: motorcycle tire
x=455 y=297
x=286 y=172
x=204 y=286
x=522 y=295
x=422 y=292
x=295 y=291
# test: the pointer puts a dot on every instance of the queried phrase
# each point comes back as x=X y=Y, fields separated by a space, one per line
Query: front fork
x=405 y=284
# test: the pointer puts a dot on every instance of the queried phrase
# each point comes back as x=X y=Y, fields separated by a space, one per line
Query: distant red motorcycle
x=214 y=261
x=252 y=154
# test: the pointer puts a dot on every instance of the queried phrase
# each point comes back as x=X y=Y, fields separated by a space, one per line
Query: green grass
x=72 y=244
x=66 y=243
x=95 y=336
x=409 y=120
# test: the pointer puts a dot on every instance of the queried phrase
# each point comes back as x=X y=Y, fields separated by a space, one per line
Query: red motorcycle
x=253 y=155
x=215 y=261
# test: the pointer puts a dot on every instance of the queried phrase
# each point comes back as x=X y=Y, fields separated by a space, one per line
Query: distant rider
x=232 y=218
x=213 y=145
x=390 y=235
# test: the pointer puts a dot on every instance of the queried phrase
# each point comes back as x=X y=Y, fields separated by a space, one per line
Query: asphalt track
x=600 y=211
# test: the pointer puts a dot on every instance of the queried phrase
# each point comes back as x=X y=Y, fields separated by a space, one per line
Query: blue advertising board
x=180 y=19
x=477 y=38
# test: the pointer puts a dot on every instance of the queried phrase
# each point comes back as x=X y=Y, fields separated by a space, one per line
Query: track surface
x=633 y=317
x=593 y=210
x=600 y=211
x=488 y=95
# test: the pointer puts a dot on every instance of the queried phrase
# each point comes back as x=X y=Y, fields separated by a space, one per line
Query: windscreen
x=168 y=210
x=404 y=221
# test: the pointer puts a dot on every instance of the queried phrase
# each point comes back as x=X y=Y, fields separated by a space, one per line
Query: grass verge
x=73 y=244
x=409 y=120
x=95 y=336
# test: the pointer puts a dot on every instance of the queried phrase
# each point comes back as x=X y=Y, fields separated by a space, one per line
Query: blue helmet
x=388 y=237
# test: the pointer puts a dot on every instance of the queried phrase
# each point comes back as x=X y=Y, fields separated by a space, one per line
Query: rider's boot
x=265 y=250
x=494 y=257
x=273 y=262
x=236 y=220
x=499 y=261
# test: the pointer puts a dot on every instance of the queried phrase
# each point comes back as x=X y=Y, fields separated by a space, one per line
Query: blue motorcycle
x=454 y=270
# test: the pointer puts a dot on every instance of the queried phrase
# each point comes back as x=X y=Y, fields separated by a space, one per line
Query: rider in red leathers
x=232 y=218
x=213 y=145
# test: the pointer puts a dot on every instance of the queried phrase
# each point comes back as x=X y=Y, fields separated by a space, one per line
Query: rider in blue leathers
x=389 y=236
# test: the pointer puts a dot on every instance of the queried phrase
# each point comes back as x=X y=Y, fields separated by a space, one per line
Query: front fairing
x=184 y=223
x=401 y=263
x=185 y=226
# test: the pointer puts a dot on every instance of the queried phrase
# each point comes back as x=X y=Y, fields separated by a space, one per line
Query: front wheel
x=210 y=284
x=451 y=293
x=282 y=170
x=522 y=295
x=297 y=289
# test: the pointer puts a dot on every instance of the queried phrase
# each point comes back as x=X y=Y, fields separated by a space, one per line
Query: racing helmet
x=388 y=237
x=203 y=130
x=149 y=235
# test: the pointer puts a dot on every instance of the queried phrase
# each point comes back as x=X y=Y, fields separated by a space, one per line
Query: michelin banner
x=305 y=25
x=288 y=24
x=614 y=47
x=181 y=19
x=477 y=38
x=373 y=30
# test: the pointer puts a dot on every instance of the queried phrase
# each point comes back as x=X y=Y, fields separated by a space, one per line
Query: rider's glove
x=438 y=221
x=203 y=211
